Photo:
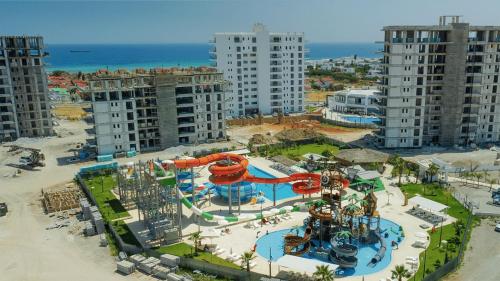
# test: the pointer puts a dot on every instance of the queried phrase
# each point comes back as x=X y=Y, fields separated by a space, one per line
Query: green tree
x=466 y=175
x=437 y=264
x=399 y=166
x=459 y=226
x=491 y=182
x=246 y=258
x=478 y=177
x=400 y=272
x=433 y=170
x=324 y=273
x=196 y=238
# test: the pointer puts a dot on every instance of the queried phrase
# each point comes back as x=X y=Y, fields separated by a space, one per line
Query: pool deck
x=243 y=239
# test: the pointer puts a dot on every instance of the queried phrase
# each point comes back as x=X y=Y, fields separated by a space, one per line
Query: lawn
x=434 y=252
x=108 y=204
x=436 y=193
x=183 y=249
x=296 y=152
x=125 y=233
x=111 y=209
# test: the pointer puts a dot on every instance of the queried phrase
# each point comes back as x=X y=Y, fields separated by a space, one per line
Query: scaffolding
x=127 y=179
x=157 y=204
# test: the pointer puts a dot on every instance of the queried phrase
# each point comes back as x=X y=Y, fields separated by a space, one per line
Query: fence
x=209 y=268
x=443 y=270
x=293 y=119
x=128 y=248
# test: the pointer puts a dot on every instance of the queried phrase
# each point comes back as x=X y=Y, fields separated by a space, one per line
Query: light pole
x=270 y=261
x=441 y=232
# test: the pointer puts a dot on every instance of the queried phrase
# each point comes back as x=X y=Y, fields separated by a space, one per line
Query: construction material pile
x=62 y=199
x=260 y=139
x=298 y=134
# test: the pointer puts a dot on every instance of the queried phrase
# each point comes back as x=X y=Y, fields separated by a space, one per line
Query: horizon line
x=178 y=43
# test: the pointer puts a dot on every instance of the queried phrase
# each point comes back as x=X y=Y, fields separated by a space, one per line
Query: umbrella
x=421 y=235
x=223 y=222
x=210 y=233
x=274 y=211
x=261 y=199
x=266 y=213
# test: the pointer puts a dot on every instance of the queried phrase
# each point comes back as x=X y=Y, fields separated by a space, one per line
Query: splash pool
x=283 y=190
x=270 y=246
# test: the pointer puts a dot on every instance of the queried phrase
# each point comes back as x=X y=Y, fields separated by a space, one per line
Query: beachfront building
x=440 y=85
x=153 y=112
x=266 y=70
x=355 y=101
x=24 y=101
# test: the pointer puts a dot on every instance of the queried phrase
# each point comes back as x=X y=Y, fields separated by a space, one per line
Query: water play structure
x=227 y=169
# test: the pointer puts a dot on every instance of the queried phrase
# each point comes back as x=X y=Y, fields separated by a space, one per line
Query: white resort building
x=266 y=70
x=356 y=101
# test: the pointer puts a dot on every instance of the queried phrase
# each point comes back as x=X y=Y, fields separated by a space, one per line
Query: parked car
x=497 y=227
x=3 y=209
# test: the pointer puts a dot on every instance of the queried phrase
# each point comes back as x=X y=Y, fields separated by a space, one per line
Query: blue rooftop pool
x=360 y=119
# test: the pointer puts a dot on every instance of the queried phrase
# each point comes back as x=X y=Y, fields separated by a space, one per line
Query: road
x=482 y=257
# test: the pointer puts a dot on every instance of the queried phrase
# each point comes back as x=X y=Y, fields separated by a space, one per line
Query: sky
x=194 y=21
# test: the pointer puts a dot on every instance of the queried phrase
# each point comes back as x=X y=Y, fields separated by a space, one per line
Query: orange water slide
x=230 y=168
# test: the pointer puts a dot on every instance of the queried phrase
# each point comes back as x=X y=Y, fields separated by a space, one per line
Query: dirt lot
x=482 y=257
x=30 y=252
x=69 y=111
x=317 y=96
x=242 y=134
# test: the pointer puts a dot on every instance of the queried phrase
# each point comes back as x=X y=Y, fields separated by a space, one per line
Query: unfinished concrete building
x=440 y=85
x=153 y=112
x=24 y=102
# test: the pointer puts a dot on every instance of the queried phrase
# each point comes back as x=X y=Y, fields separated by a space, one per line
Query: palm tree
x=478 y=176
x=324 y=273
x=491 y=182
x=196 y=238
x=433 y=170
x=466 y=175
x=400 y=272
x=399 y=165
x=353 y=198
x=246 y=258
x=343 y=235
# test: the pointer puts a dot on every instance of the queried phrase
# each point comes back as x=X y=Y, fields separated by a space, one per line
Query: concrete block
x=125 y=267
x=170 y=260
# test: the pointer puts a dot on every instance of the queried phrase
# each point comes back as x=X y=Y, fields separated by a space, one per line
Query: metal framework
x=157 y=205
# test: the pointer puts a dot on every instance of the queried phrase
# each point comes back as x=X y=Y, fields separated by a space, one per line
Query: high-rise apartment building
x=440 y=85
x=24 y=102
x=152 y=112
x=266 y=70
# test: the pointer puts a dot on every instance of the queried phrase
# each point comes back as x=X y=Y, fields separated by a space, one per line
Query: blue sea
x=91 y=57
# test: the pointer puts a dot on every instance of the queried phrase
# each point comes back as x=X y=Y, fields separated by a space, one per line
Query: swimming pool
x=270 y=246
x=360 y=119
x=283 y=190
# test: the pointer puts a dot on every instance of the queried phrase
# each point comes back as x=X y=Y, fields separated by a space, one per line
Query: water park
x=318 y=212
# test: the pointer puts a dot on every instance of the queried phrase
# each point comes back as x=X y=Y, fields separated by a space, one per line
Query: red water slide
x=230 y=168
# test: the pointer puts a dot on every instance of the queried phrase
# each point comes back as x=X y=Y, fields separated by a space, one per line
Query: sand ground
x=28 y=251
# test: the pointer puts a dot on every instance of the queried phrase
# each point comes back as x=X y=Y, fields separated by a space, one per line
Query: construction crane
x=35 y=158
